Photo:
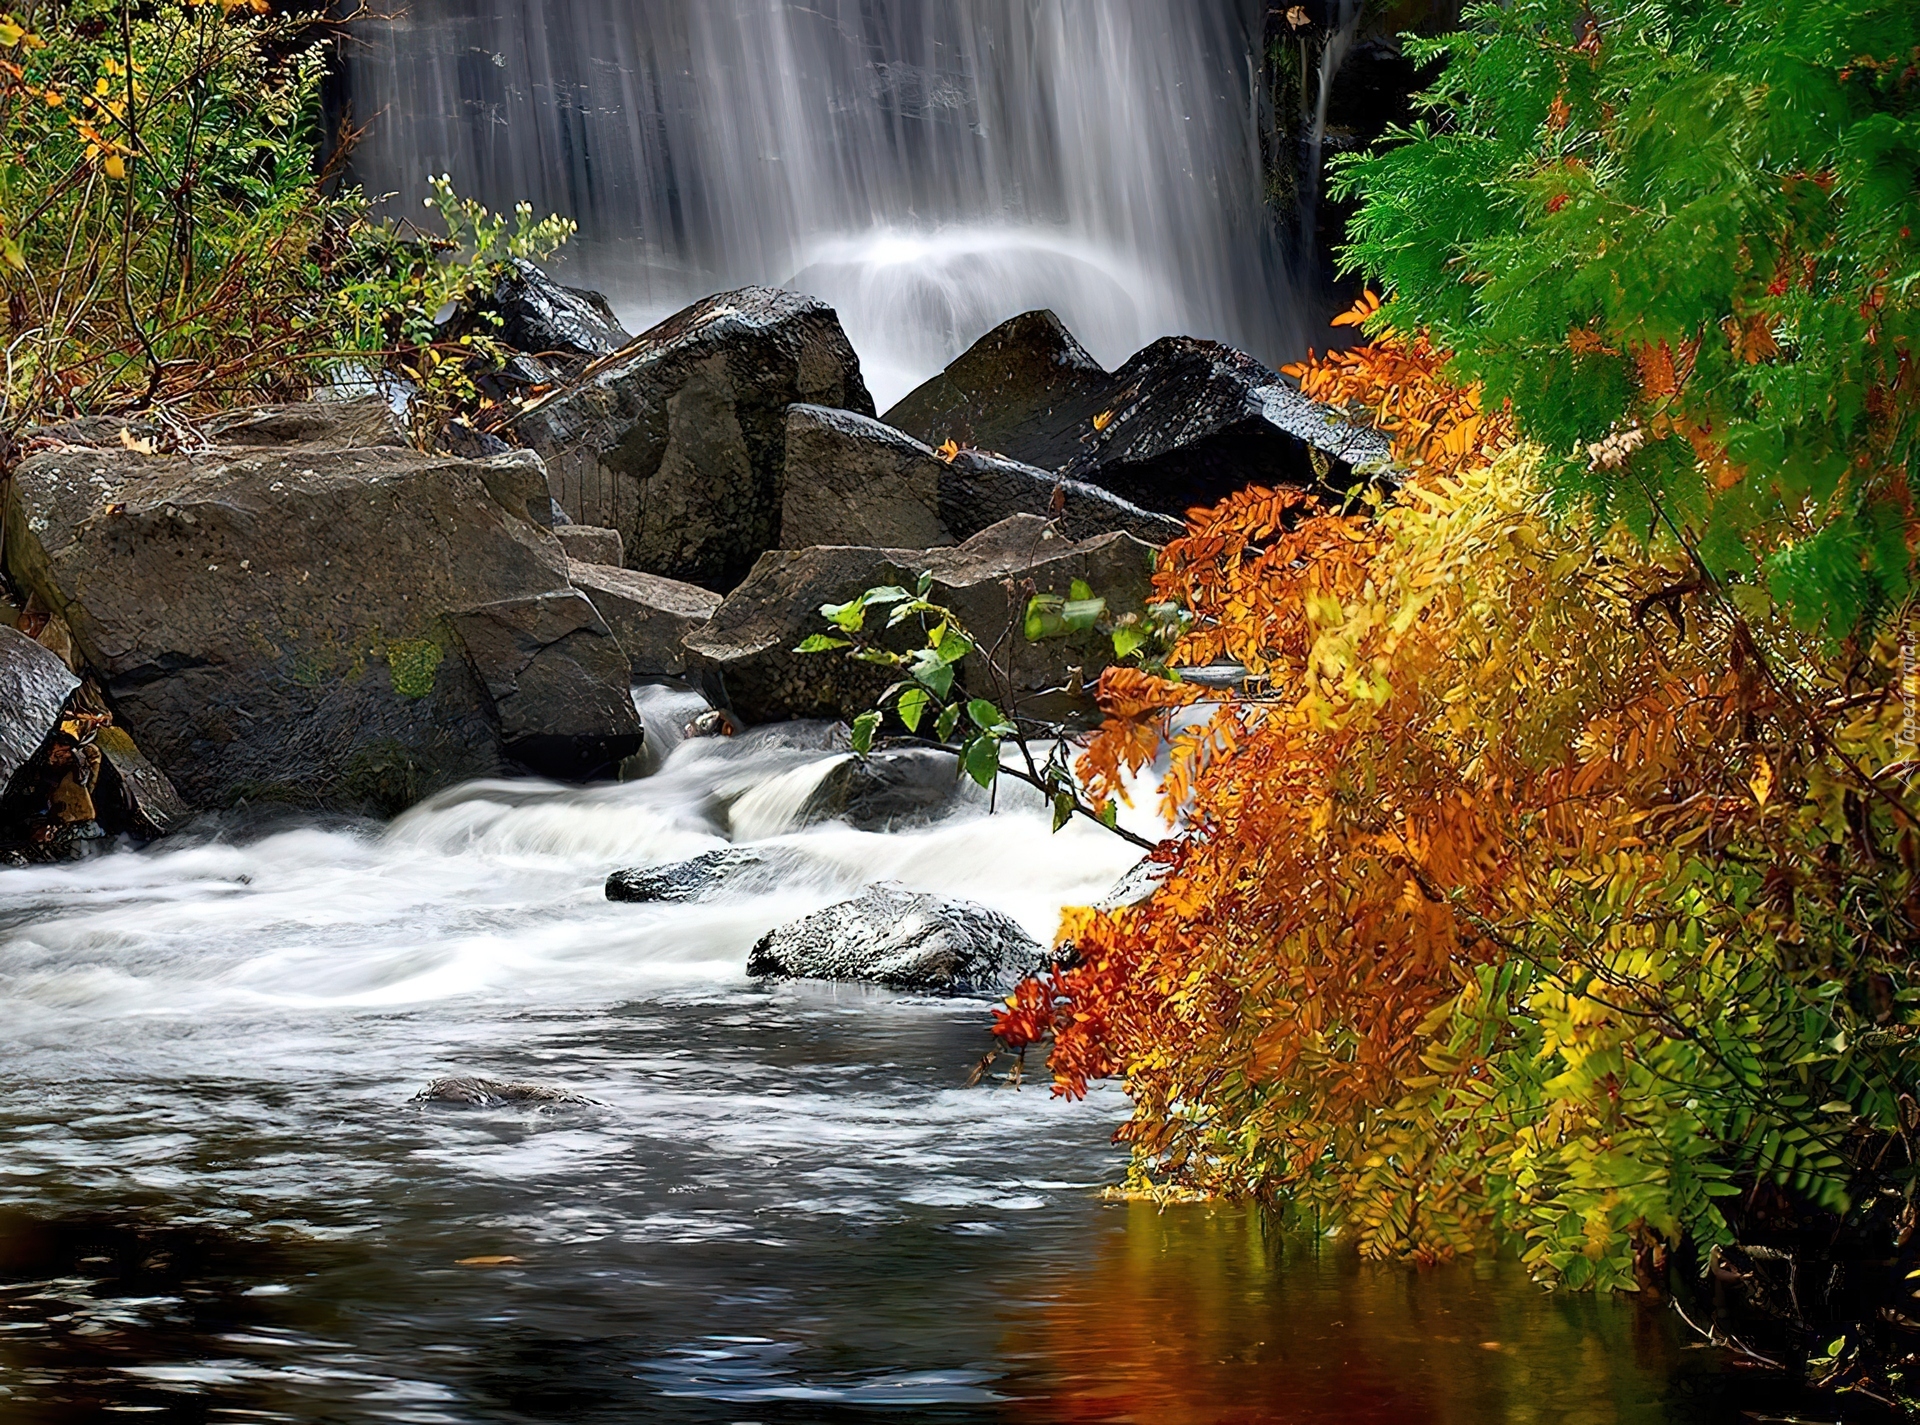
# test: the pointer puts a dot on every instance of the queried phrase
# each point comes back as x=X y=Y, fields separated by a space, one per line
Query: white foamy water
x=496 y=889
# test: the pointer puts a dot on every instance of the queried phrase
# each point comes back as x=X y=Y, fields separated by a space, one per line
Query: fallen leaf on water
x=488 y=1262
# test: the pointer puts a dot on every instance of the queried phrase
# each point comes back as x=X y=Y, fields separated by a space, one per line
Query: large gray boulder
x=852 y=480
x=275 y=622
x=34 y=688
x=679 y=439
x=1184 y=423
x=650 y=616
x=748 y=643
x=892 y=936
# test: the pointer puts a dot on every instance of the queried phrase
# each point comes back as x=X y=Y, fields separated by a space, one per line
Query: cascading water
x=931 y=167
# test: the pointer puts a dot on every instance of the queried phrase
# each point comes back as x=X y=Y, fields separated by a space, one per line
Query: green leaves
x=822 y=643
x=1050 y=616
x=912 y=707
x=864 y=728
x=981 y=758
x=1698 y=227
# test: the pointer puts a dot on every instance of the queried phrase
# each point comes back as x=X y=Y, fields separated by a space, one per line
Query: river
x=218 y=1204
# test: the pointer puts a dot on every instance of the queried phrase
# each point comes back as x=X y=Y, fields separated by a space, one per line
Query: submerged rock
x=1183 y=423
x=34 y=688
x=892 y=936
x=852 y=480
x=274 y=623
x=748 y=644
x=732 y=870
x=650 y=616
x=492 y=1093
x=890 y=787
x=679 y=440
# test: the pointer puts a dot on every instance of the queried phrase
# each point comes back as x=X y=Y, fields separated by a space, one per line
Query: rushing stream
x=217 y=1204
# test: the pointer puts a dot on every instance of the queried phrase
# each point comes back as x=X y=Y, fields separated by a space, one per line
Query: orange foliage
x=1399 y=385
x=1460 y=734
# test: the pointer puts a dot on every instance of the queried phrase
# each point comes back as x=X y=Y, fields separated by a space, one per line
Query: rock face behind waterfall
x=336 y=622
x=679 y=439
x=749 y=641
x=891 y=936
x=852 y=480
x=1183 y=423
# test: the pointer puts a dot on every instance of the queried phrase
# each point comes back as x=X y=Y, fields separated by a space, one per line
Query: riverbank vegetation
x=1550 y=880
x=174 y=240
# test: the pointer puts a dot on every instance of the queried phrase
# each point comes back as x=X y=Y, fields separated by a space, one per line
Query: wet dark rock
x=650 y=616
x=893 y=786
x=1184 y=423
x=902 y=939
x=852 y=480
x=34 y=688
x=144 y=800
x=1027 y=389
x=468 y=1092
x=732 y=870
x=540 y=317
x=679 y=440
x=748 y=644
x=1194 y=421
x=558 y=681
x=271 y=623
x=463 y=440
x=590 y=544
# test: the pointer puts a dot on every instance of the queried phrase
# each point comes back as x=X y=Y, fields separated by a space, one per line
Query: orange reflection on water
x=1209 y=1315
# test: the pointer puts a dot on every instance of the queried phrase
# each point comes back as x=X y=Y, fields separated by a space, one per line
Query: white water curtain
x=930 y=166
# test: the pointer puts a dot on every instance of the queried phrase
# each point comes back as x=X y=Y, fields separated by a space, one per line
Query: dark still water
x=216 y=1203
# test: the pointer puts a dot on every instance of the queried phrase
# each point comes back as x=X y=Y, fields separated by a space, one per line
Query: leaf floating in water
x=488 y=1262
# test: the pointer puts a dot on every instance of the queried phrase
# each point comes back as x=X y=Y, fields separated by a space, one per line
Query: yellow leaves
x=15 y=35
x=949 y=450
x=115 y=166
x=1761 y=782
x=1103 y=420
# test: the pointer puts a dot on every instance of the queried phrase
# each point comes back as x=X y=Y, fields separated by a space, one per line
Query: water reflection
x=1202 y=1315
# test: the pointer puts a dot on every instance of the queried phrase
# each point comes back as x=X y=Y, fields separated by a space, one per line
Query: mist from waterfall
x=931 y=167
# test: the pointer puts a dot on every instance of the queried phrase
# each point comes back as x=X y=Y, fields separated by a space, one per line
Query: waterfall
x=931 y=167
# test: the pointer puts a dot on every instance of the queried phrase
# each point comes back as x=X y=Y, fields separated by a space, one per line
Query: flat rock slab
x=853 y=480
x=903 y=939
x=590 y=544
x=748 y=643
x=678 y=440
x=271 y=623
x=651 y=616
x=34 y=688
